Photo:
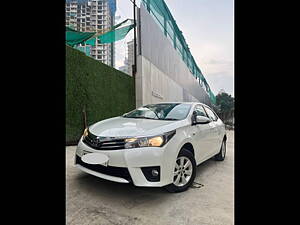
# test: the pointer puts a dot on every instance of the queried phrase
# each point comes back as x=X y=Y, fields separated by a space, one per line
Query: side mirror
x=202 y=120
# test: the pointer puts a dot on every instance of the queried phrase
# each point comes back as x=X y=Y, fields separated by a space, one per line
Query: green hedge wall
x=104 y=91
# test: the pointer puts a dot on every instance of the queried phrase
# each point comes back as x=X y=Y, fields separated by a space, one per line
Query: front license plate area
x=95 y=158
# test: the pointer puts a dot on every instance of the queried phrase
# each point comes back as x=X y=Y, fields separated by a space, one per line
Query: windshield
x=171 y=111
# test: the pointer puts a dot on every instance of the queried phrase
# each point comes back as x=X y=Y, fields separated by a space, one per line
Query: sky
x=207 y=26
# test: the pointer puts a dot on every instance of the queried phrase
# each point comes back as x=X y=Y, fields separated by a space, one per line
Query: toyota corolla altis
x=157 y=145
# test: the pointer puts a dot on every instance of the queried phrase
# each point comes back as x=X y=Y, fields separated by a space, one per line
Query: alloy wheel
x=223 y=149
x=183 y=171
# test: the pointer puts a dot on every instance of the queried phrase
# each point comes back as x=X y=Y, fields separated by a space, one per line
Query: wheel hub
x=223 y=149
x=183 y=171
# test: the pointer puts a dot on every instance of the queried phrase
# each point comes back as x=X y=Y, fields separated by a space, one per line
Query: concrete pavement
x=91 y=200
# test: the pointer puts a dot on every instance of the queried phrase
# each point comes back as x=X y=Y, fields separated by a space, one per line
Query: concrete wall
x=161 y=73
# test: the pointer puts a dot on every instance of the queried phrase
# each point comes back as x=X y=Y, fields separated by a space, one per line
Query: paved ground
x=91 y=200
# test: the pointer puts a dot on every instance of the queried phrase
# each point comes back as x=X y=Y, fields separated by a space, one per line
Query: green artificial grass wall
x=104 y=92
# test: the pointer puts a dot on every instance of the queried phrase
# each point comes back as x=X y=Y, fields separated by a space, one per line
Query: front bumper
x=132 y=161
x=116 y=174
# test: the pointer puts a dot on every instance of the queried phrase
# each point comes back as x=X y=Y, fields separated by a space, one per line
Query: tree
x=225 y=106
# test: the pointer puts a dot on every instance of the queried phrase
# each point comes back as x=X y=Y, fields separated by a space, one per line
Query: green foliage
x=225 y=107
x=225 y=102
x=102 y=90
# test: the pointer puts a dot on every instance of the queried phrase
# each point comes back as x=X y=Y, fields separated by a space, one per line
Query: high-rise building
x=128 y=62
x=130 y=58
x=93 y=16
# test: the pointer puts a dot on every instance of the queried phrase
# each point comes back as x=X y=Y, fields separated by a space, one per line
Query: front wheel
x=184 y=172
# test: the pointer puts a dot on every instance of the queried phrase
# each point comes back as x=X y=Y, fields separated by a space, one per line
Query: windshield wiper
x=152 y=111
x=169 y=119
x=140 y=117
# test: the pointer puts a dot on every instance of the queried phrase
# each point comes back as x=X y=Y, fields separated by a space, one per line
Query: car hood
x=132 y=127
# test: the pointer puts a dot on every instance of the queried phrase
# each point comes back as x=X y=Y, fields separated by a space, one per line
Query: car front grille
x=104 y=143
x=108 y=170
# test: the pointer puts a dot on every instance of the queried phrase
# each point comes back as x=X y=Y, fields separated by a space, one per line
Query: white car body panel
x=205 y=140
x=101 y=175
x=128 y=127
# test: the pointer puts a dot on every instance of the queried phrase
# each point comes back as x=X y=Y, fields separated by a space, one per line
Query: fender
x=187 y=139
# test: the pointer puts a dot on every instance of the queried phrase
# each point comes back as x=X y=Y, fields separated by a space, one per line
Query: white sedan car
x=157 y=145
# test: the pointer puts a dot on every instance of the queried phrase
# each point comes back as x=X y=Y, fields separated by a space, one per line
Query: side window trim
x=201 y=106
x=194 y=109
x=205 y=107
x=215 y=115
x=204 y=111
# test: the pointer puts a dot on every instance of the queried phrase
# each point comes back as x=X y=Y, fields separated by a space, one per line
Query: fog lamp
x=154 y=173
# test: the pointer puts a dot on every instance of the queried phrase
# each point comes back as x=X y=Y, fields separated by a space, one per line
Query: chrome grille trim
x=104 y=143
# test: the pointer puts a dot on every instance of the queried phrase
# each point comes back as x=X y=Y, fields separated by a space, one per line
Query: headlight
x=153 y=141
x=85 y=133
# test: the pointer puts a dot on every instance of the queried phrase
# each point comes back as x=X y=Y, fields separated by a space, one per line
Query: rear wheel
x=221 y=155
x=184 y=172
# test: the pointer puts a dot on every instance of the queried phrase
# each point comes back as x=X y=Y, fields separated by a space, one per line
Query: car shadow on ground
x=127 y=195
x=98 y=186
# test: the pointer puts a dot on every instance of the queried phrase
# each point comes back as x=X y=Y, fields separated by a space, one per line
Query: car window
x=143 y=112
x=211 y=114
x=161 y=111
x=178 y=112
x=200 y=111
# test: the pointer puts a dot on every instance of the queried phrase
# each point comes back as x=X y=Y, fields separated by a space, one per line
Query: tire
x=180 y=184
x=221 y=155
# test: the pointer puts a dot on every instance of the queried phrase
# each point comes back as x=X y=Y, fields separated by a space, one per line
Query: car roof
x=192 y=103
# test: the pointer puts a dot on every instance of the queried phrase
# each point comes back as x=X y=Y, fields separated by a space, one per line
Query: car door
x=201 y=136
x=214 y=132
x=221 y=129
